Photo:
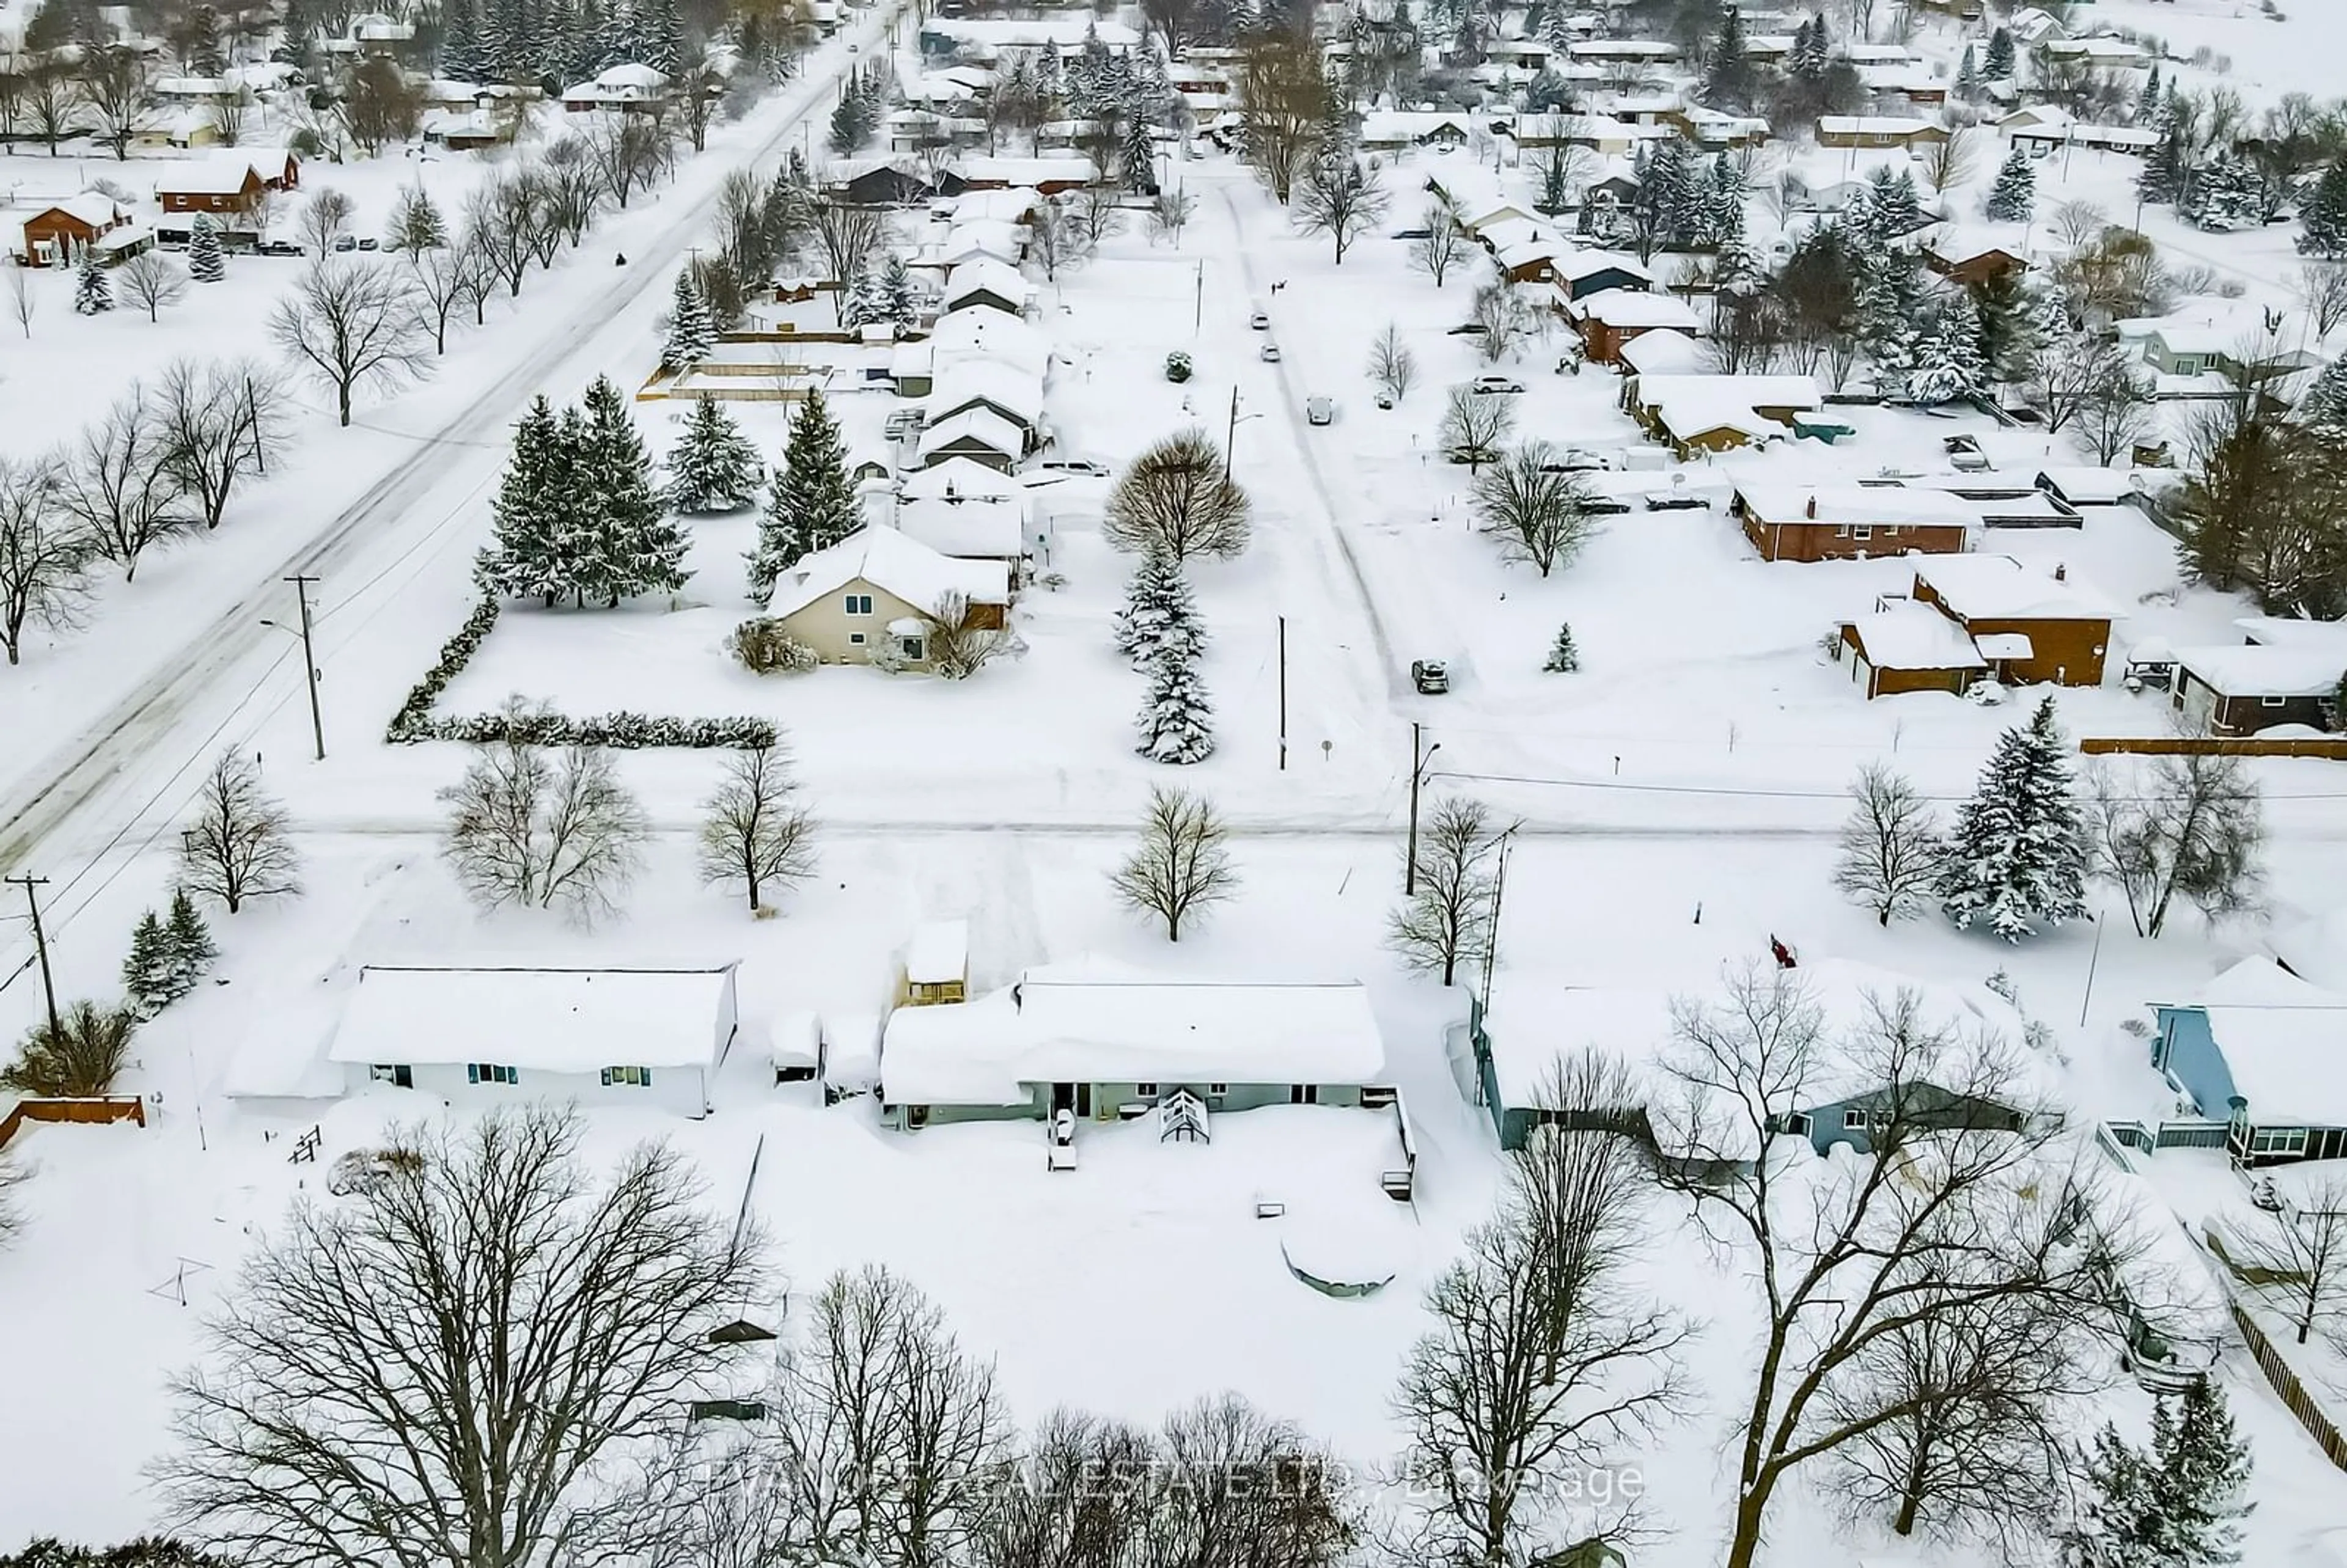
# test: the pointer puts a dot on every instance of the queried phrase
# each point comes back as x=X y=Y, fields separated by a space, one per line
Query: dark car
x=1430 y=676
x=277 y=248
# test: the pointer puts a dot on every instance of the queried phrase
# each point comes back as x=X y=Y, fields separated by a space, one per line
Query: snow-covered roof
x=1395 y=127
x=551 y=1019
x=1694 y=414
x=1858 y=54
x=851 y=1050
x=1662 y=352
x=983 y=274
x=219 y=173
x=990 y=335
x=1572 y=265
x=1748 y=392
x=1636 y=308
x=797 y=1041
x=1999 y=587
x=1532 y=1024
x=1873 y=125
x=1906 y=635
x=962 y=477
x=90 y=207
x=969 y=529
x=966 y=379
x=2268 y=669
x=1483 y=218
x=1887 y=506
x=1096 y=1023
x=1071 y=168
x=1012 y=204
x=938 y=952
x=2284 y=1041
x=988 y=429
x=129 y=237
x=894 y=564
x=2087 y=487
x=1622 y=49
x=974 y=239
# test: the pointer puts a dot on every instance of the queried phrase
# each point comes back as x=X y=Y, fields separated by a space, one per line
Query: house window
x=859 y=604
x=1851 y=1121
x=2278 y=1140
x=1144 y=1089
x=490 y=1072
x=1862 y=530
x=855 y=639
x=633 y=1077
x=912 y=649
x=1218 y=1088
x=398 y=1077
x=2186 y=366
x=2272 y=702
x=1304 y=1094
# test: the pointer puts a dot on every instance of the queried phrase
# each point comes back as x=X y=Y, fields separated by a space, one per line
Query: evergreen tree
x=206 y=264
x=1998 y=66
x=295 y=27
x=191 y=947
x=2201 y=1469
x=1160 y=613
x=147 y=972
x=714 y=467
x=1563 y=658
x=2325 y=402
x=1721 y=205
x=462 y=56
x=532 y=509
x=2018 y=855
x=2014 y=323
x=2325 y=216
x=2225 y=193
x=1810 y=59
x=1968 y=76
x=92 y=290
x=2014 y=195
x=203 y=44
x=690 y=333
x=417 y=225
x=1892 y=207
x=2150 y=101
x=627 y=544
x=1730 y=81
x=1140 y=155
x=1887 y=312
x=812 y=507
x=1176 y=720
x=2164 y=166
x=1944 y=363
x=2118 y=1526
x=1666 y=194
x=862 y=306
x=897 y=302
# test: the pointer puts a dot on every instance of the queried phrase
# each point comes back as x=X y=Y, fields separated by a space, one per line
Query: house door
x=1304 y=1094
x=1063 y=1098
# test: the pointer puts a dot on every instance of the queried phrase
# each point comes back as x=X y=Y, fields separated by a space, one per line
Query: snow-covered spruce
x=1176 y=720
x=93 y=290
x=1563 y=658
x=812 y=507
x=713 y=467
x=690 y=332
x=1159 y=611
x=206 y=264
x=2015 y=194
x=576 y=512
x=2017 y=857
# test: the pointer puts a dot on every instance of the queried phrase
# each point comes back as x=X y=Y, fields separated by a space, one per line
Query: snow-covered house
x=1105 y=1040
x=2031 y=624
x=976 y=432
x=989 y=335
x=1717 y=413
x=874 y=595
x=2265 y=1052
x=1902 y=646
x=2285 y=672
x=1878 y=132
x=1612 y=319
x=1578 y=274
x=985 y=282
x=630 y=88
x=620 y=1035
x=53 y=234
x=1393 y=131
x=937 y=964
x=1045 y=176
x=964 y=383
x=1850 y=522
x=966 y=528
x=1662 y=351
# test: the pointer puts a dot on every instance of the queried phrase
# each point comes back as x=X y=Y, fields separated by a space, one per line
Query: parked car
x=1271 y=351
x=1177 y=366
x=1320 y=411
x=277 y=248
x=1469 y=329
x=368 y=245
x=1384 y=400
x=1574 y=460
x=1413 y=233
x=1260 y=321
x=1430 y=676
x=1075 y=467
x=1496 y=384
x=345 y=242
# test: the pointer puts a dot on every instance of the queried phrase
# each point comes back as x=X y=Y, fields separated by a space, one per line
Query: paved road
x=235 y=651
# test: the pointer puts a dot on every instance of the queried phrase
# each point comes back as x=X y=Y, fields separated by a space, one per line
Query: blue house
x=2264 y=1052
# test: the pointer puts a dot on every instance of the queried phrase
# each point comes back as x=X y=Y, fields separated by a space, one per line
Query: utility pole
x=1231 y=433
x=41 y=945
x=1499 y=892
x=1417 y=773
x=310 y=664
x=1283 y=694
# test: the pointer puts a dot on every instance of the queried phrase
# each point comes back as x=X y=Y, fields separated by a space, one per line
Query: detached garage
x=627 y=1036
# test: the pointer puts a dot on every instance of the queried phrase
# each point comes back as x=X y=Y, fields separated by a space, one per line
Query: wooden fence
x=103 y=1108
x=2319 y=1425
x=2331 y=747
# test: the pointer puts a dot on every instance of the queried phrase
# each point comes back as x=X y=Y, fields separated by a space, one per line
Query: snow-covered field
x=1677 y=798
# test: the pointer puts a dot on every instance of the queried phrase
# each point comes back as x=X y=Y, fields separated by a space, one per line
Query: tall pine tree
x=629 y=544
x=525 y=558
x=2200 y=1471
x=1159 y=611
x=2325 y=216
x=2325 y=402
x=1998 y=65
x=812 y=506
x=92 y=290
x=2014 y=195
x=147 y=971
x=2225 y=193
x=206 y=264
x=191 y=946
x=1176 y=721
x=2018 y=855
x=713 y=467
x=690 y=333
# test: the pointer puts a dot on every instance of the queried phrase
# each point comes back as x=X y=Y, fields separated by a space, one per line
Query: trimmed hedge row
x=621 y=731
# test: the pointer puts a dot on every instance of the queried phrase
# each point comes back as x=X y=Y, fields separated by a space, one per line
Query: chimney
x=1813 y=506
x=2061 y=572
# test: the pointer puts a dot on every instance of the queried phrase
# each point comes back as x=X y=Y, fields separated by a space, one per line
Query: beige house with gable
x=876 y=592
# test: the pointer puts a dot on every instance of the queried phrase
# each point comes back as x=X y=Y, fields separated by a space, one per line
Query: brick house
x=1850 y=522
x=51 y=236
x=233 y=186
x=2029 y=625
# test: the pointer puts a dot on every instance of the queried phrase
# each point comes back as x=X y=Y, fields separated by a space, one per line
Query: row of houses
x=234 y=185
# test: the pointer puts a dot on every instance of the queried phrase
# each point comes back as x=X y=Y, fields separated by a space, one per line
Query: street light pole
x=1418 y=762
x=309 y=665
x=1231 y=433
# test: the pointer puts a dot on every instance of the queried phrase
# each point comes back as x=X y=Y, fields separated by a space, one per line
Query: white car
x=1075 y=467
x=1260 y=321
x=1496 y=384
x=1271 y=352
x=1320 y=411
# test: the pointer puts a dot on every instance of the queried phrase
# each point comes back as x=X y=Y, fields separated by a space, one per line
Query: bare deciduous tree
x=1505 y=316
x=1475 y=423
x=1058 y=238
x=572 y=179
x=1957 y=1198
x=116 y=481
x=23 y=302
x=1541 y=513
x=1178 y=501
x=2294 y=1256
x=1392 y=367
x=113 y=87
x=1340 y=198
x=2191 y=825
x=325 y=217
x=756 y=835
x=217 y=423
x=1283 y=103
x=151 y=279
x=507 y=218
x=1441 y=247
x=527 y=829
x=1170 y=213
x=963 y=640
x=2071 y=371
x=1543 y=1357
x=430 y=1370
x=628 y=154
x=237 y=848
x=1951 y=161
x=2322 y=288
x=1888 y=858
x=1448 y=921
x=847 y=234
x=380 y=104
x=1181 y=866
x=352 y=323
x=447 y=276
x=43 y=558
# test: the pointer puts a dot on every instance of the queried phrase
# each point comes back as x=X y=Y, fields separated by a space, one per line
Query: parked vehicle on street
x=1320 y=410
x=1430 y=676
x=1260 y=321
x=1075 y=467
x=1496 y=384
x=1271 y=352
